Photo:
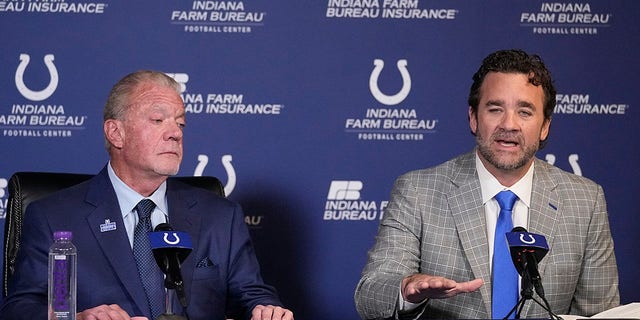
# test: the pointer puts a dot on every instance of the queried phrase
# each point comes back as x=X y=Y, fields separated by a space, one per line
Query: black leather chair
x=25 y=187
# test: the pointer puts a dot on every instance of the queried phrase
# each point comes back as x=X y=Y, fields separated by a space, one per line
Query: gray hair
x=118 y=102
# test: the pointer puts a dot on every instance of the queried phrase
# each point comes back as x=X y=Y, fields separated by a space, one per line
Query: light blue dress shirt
x=129 y=198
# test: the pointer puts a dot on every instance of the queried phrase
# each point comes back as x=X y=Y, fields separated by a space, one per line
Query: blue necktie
x=152 y=278
x=505 y=276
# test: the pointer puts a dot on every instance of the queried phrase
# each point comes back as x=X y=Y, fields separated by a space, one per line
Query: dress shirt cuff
x=406 y=307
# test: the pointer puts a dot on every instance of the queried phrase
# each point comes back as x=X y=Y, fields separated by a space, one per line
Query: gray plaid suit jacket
x=435 y=224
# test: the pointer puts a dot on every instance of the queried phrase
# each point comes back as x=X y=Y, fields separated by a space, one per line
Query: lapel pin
x=107 y=226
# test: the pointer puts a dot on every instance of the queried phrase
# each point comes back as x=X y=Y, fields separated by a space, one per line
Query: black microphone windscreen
x=519 y=229
x=163 y=227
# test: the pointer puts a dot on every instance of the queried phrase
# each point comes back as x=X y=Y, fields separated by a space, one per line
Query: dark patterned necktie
x=505 y=276
x=152 y=278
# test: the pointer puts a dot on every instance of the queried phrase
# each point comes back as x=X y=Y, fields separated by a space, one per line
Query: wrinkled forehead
x=156 y=97
x=146 y=91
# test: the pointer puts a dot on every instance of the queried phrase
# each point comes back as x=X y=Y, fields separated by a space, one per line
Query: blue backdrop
x=308 y=110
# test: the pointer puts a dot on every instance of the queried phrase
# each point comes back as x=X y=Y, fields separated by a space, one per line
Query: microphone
x=527 y=249
x=170 y=248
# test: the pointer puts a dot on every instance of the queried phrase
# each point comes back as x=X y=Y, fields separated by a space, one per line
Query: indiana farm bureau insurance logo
x=390 y=120
x=344 y=203
x=217 y=17
x=222 y=102
x=387 y=9
x=572 y=18
x=38 y=116
x=52 y=7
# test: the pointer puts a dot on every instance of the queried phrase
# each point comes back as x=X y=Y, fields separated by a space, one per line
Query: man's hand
x=106 y=312
x=417 y=287
x=270 y=312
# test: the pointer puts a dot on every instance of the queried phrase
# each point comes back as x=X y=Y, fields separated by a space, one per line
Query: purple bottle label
x=60 y=284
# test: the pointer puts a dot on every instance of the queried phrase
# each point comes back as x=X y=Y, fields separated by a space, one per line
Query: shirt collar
x=490 y=186
x=129 y=198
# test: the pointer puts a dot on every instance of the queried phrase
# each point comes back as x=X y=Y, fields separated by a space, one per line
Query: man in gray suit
x=434 y=249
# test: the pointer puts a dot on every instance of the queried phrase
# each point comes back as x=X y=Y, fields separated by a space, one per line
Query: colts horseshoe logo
x=231 y=173
x=203 y=160
x=37 y=95
x=532 y=241
x=175 y=236
x=387 y=99
x=573 y=162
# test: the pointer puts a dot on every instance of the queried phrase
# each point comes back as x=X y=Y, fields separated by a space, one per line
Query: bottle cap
x=60 y=235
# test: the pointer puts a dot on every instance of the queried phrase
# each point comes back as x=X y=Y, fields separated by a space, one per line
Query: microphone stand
x=526 y=293
x=168 y=315
x=171 y=286
x=170 y=266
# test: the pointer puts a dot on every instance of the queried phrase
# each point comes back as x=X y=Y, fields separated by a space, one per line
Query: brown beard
x=493 y=159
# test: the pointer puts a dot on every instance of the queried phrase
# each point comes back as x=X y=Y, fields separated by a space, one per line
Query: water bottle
x=62 y=277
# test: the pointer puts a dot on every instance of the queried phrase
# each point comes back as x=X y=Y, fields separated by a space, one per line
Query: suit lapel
x=544 y=211
x=465 y=201
x=182 y=218
x=545 y=206
x=115 y=244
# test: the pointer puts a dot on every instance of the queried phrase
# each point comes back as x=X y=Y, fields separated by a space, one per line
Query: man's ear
x=114 y=132
x=473 y=121
x=544 y=133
